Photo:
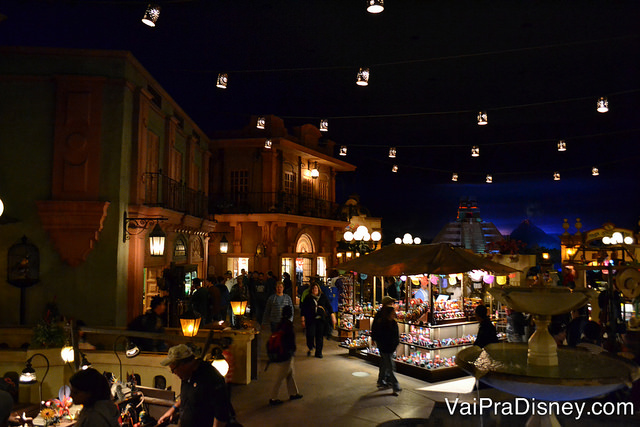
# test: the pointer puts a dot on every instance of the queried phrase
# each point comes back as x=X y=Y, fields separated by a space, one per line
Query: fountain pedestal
x=543 y=350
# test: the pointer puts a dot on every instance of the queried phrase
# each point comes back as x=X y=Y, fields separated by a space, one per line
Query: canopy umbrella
x=437 y=258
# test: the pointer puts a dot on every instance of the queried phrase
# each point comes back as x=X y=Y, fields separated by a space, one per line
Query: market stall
x=433 y=328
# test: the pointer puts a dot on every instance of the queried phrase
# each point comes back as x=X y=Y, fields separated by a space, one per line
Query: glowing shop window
x=237 y=264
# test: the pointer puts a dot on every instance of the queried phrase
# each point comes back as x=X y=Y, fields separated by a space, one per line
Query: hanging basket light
x=223 y=79
x=151 y=15
x=595 y=171
x=482 y=118
x=394 y=168
x=362 y=78
x=268 y=143
x=603 y=104
x=375 y=6
x=343 y=150
x=475 y=151
x=489 y=179
x=562 y=145
x=190 y=323
x=324 y=125
x=261 y=122
x=392 y=152
x=454 y=177
x=556 y=176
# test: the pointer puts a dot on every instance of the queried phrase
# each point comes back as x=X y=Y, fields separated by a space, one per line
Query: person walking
x=384 y=332
x=284 y=369
x=275 y=304
x=316 y=314
x=203 y=401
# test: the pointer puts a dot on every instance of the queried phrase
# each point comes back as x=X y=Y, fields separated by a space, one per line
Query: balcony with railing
x=284 y=203
x=162 y=191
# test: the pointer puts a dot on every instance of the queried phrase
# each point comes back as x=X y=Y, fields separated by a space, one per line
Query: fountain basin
x=542 y=300
x=579 y=374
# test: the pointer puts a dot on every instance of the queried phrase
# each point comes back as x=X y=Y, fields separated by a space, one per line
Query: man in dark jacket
x=384 y=332
x=486 y=331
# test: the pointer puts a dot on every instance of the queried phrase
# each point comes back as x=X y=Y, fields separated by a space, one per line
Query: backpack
x=275 y=348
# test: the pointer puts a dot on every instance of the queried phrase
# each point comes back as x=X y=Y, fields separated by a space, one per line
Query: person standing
x=203 y=401
x=316 y=314
x=486 y=331
x=516 y=323
x=200 y=301
x=151 y=321
x=275 y=304
x=288 y=285
x=225 y=307
x=384 y=332
x=284 y=369
x=90 y=389
x=423 y=292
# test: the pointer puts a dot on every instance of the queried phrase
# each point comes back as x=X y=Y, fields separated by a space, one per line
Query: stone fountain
x=540 y=370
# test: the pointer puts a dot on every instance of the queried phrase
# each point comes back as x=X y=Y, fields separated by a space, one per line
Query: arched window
x=180 y=250
x=305 y=244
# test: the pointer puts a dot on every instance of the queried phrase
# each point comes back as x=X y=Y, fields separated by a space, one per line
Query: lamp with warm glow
x=394 y=168
x=398 y=241
x=268 y=143
x=219 y=362
x=482 y=118
x=224 y=245
x=362 y=78
x=238 y=308
x=417 y=240
x=348 y=236
x=562 y=145
x=151 y=15
x=1 y=207
x=157 y=238
x=392 y=152
x=222 y=80
x=454 y=177
x=603 y=104
x=489 y=179
x=407 y=239
x=324 y=125
x=260 y=122
x=475 y=151
x=556 y=176
x=375 y=6
x=67 y=354
x=376 y=236
x=314 y=172
x=595 y=171
x=343 y=150
x=84 y=364
x=545 y=255
x=190 y=323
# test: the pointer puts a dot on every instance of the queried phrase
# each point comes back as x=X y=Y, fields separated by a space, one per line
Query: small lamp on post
x=131 y=351
x=28 y=375
x=190 y=323
x=238 y=307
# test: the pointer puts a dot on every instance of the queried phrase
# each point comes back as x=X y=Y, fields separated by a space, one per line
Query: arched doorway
x=304 y=261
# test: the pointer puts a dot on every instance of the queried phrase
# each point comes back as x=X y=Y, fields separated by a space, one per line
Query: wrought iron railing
x=160 y=190
x=273 y=203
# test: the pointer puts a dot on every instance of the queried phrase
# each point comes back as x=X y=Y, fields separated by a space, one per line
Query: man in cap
x=204 y=400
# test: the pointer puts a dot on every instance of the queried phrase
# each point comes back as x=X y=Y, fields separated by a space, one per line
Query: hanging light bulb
x=603 y=104
x=392 y=152
x=343 y=150
x=324 y=125
x=482 y=118
x=363 y=77
x=595 y=171
x=375 y=6
x=261 y=122
x=398 y=241
x=268 y=144
x=454 y=177
x=562 y=145
x=475 y=151
x=314 y=171
x=394 y=168
x=489 y=179
x=556 y=176
x=151 y=15
x=222 y=80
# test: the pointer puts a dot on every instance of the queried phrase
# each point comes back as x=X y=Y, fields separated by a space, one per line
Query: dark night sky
x=537 y=67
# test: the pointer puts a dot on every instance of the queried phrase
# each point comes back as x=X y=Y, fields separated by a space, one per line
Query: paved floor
x=340 y=390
